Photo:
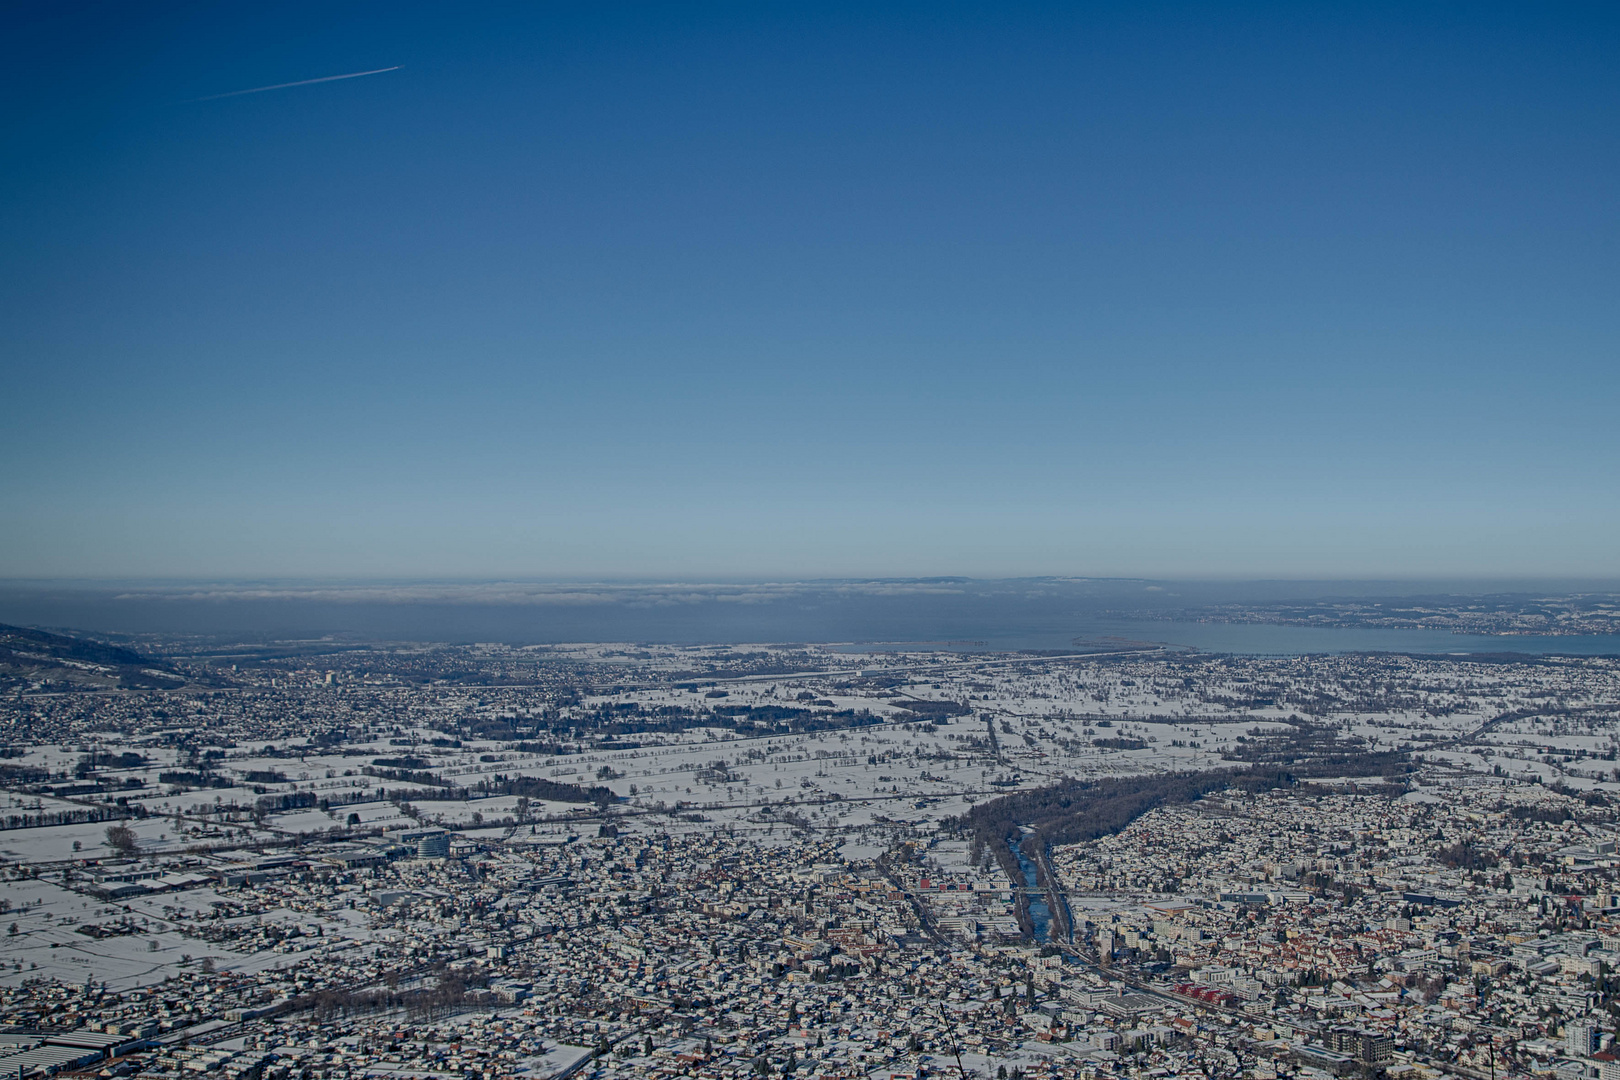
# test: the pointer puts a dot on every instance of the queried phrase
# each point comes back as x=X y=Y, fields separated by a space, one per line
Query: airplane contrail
x=301 y=82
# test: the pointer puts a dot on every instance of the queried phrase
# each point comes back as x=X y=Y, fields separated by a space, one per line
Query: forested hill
x=1073 y=811
x=39 y=660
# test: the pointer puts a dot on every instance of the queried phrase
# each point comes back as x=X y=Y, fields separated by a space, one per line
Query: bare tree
x=121 y=838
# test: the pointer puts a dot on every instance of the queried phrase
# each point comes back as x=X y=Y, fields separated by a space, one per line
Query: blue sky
x=810 y=290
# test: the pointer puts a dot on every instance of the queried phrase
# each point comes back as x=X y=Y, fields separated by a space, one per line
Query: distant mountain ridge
x=38 y=659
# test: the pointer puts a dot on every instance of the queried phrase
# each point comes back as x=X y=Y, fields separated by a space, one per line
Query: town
x=324 y=860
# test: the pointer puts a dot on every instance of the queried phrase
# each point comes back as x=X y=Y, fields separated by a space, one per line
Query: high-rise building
x=1368 y=1047
x=1581 y=1038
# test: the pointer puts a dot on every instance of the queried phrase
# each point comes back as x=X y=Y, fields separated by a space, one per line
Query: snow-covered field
x=862 y=747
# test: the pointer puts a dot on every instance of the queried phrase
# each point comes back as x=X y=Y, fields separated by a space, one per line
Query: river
x=1040 y=914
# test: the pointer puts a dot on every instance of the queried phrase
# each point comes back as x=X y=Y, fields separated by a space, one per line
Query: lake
x=953 y=613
